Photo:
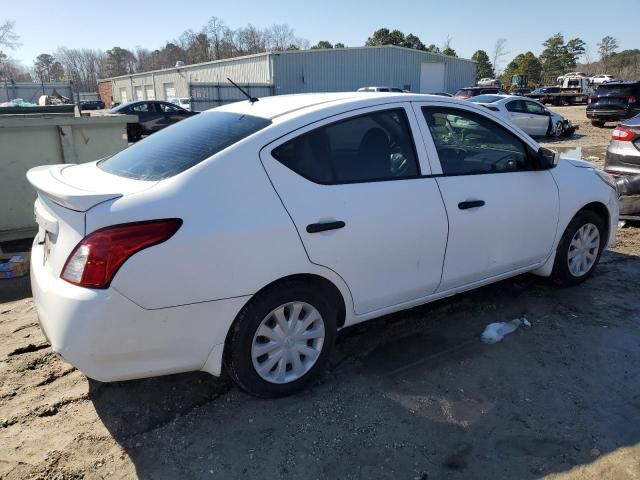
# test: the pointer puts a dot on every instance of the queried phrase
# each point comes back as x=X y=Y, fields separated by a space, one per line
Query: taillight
x=632 y=99
x=622 y=134
x=590 y=100
x=96 y=259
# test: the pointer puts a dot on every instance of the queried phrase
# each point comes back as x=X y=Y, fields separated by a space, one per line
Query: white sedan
x=528 y=114
x=244 y=237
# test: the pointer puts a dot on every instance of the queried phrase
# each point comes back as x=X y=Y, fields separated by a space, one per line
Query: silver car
x=623 y=161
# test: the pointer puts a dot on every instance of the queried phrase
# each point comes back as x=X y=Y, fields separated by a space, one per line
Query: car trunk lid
x=65 y=193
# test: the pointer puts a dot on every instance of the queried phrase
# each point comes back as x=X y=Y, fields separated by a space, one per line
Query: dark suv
x=614 y=101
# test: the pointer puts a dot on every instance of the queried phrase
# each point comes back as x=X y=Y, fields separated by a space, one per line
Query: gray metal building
x=279 y=73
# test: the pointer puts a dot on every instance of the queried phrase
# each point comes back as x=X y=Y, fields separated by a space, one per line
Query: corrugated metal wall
x=352 y=68
x=305 y=71
x=250 y=69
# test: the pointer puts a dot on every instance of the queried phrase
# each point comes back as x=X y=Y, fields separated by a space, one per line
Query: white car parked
x=182 y=102
x=244 y=237
x=602 y=78
x=528 y=114
x=488 y=82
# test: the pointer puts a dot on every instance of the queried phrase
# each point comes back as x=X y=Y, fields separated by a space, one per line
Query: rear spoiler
x=48 y=181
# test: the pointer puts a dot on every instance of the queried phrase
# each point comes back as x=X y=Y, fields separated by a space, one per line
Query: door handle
x=470 y=204
x=323 y=227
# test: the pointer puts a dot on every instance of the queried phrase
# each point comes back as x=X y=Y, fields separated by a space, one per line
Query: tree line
x=559 y=57
x=216 y=41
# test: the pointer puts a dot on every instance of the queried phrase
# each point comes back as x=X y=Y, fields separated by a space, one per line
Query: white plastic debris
x=495 y=332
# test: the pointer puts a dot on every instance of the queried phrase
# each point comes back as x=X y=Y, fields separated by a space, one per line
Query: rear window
x=486 y=98
x=613 y=89
x=183 y=145
x=464 y=92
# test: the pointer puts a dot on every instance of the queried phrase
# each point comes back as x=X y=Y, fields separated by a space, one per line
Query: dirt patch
x=415 y=395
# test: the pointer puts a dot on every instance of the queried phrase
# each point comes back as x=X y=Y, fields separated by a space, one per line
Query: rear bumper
x=108 y=337
x=609 y=114
x=622 y=163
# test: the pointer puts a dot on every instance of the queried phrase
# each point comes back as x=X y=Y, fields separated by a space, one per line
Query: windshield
x=486 y=98
x=615 y=89
x=183 y=145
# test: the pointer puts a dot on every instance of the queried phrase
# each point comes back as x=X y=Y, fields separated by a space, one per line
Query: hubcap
x=287 y=342
x=583 y=250
x=558 y=130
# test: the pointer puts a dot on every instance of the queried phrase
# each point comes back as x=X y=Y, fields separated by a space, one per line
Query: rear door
x=352 y=185
x=502 y=213
x=518 y=114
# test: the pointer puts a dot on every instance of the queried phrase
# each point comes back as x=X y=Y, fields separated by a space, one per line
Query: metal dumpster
x=39 y=139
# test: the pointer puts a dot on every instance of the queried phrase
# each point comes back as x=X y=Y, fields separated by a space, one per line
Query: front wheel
x=281 y=339
x=579 y=249
x=558 y=129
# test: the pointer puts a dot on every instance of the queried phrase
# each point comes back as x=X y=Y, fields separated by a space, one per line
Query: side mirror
x=544 y=159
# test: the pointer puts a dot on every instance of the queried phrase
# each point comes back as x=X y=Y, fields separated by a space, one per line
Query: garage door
x=151 y=94
x=137 y=93
x=123 y=95
x=169 y=91
x=432 y=77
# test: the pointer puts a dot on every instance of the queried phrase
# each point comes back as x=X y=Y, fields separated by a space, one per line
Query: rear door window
x=609 y=89
x=182 y=145
x=517 y=106
x=369 y=147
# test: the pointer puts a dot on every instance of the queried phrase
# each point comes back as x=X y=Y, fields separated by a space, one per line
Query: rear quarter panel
x=236 y=237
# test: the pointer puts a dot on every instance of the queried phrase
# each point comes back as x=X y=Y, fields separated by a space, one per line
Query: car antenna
x=251 y=99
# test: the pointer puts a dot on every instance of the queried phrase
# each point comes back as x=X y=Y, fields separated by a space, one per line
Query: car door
x=502 y=212
x=353 y=187
x=146 y=115
x=538 y=118
x=518 y=114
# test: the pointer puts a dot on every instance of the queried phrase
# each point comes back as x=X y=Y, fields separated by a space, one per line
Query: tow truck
x=571 y=89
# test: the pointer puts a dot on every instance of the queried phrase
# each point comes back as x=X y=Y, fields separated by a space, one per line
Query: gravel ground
x=414 y=395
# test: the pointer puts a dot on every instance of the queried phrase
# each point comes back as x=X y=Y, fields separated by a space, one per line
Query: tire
x=597 y=123
x=240 y=358
x=134 y=132
x=558 y=130
x=563 y=273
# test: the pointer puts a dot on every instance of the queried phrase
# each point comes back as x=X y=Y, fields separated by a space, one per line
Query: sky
x=471 y=25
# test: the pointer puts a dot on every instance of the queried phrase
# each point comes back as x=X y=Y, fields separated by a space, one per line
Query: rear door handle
x=323 y=227
x=470 y=204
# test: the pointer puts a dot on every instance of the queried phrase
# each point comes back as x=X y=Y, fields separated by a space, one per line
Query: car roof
x=281 y=105
x=622 y=82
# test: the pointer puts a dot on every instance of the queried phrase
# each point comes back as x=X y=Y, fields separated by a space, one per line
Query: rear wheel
x=579 y=249
x=597 y=123
x=281 y=339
